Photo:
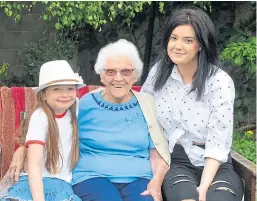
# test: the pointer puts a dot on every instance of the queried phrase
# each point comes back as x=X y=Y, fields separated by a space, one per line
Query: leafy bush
x=53 y=46
x=240 y=52
x=3 y=72
x=244 y=144
x=4 y=69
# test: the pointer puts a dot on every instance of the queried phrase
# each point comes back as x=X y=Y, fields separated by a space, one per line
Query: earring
x=200 y=49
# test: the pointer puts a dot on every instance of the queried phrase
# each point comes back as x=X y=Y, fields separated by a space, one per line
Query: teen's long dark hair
x=208 y=58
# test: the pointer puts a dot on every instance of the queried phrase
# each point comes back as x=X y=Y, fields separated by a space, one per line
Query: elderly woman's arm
x=159 y=169
x=159 y=166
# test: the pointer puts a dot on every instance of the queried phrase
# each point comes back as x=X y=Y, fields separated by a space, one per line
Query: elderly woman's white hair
x=121 y=47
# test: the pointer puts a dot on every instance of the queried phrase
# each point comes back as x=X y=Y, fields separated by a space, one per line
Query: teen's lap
x=183 y=178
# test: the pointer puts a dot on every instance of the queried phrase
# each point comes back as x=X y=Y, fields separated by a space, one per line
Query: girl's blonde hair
x=53 y=155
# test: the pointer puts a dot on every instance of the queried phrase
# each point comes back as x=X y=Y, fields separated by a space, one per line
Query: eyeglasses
x=123 y=72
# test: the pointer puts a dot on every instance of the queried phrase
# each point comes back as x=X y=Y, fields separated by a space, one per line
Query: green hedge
x=244 y=144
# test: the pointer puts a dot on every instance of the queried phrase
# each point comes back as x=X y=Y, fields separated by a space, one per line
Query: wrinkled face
x=118 y=77
x=183 y=46
x=60 y=97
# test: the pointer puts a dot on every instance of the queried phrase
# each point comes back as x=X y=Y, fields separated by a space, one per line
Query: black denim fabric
x=183 y=178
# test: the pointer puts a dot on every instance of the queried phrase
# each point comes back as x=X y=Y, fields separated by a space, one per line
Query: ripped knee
x=184 y=178
x=181 y=180
x=225 y=187
x=188 y=200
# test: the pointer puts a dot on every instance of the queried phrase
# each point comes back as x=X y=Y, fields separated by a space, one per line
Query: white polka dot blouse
x=186 y=120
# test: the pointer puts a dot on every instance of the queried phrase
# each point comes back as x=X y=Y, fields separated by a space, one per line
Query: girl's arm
x=17 y=164
x=35 y=160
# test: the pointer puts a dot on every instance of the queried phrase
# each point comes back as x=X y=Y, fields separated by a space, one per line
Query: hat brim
x=37 y=89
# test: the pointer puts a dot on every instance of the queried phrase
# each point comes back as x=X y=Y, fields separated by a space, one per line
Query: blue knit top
x=114 y=141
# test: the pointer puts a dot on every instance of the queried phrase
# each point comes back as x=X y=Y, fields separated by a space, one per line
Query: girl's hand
x=17 y=164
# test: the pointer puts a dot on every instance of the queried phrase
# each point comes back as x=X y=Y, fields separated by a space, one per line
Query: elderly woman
x=122 y=147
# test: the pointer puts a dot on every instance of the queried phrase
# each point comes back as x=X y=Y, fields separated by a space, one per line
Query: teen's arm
x=35 y=162
x=210 y=169
x=220 y=130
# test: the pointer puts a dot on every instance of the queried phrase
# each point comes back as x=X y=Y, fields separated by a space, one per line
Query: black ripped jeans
x=183 y=178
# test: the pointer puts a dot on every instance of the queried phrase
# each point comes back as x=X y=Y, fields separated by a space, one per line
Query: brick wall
x=14 y=36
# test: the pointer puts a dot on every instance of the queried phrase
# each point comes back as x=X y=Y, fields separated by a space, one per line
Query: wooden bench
x=245 y=168
x=247 y=171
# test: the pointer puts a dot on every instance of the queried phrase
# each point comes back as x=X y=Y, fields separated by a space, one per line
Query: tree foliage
x=70 y=18
x=13 y=9
x=205 y=5
x=70 y=14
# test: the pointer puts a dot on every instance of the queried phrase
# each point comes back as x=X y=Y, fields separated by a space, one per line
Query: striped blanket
x=14 y=102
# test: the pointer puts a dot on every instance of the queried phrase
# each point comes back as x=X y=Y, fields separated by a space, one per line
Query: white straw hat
x=57 y=73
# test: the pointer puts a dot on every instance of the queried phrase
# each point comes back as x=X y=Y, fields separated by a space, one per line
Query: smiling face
x=60 y=97
x=118 y=77
x=182 y=46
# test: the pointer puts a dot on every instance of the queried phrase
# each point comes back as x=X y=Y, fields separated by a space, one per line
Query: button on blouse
x=186 y=120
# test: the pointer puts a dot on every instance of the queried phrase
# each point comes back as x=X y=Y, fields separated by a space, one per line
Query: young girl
x=51 y=137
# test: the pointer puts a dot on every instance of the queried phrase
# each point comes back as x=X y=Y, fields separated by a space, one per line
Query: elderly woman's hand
x=154 y=189
x=17 y=164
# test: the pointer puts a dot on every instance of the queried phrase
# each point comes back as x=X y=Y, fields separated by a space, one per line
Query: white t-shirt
x=37 y=133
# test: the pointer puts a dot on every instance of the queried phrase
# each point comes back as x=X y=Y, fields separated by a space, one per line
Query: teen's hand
x=202 y=191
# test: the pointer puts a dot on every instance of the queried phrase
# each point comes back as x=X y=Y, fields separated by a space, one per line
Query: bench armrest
x=247 y=171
